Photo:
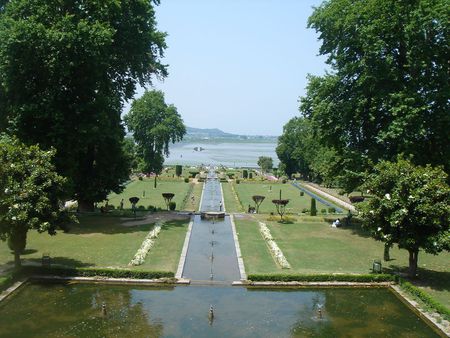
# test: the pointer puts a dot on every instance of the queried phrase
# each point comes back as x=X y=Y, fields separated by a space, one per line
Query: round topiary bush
x=172 y=206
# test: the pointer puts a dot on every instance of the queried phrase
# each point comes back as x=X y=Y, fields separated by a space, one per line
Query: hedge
x=322 y=278
x=428 y=301
x=92 y=272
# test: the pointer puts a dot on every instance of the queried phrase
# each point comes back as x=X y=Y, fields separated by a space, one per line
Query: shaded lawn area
x=148 y=195
x=272 y=191
x=98 y=241
x=231 y=205
x=315 y=247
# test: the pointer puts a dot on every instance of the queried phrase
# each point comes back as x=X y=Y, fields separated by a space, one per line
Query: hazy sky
x=238 y=65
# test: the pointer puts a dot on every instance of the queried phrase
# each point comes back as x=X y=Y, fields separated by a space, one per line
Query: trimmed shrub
x=172 y=206
x=302 y=193
x=313 y=211
x=245 y=173
x=178 y=170
x=323 y=211
x=322 y=278
x=331 y=210
x=140 y=178
x=186 y=180
x=250 y=175
x=141 y=207
x=356 y=199
x=238 y=181
x=284 y=181
x=305 y=210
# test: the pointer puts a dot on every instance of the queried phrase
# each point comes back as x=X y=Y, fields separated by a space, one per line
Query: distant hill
x=216 y=134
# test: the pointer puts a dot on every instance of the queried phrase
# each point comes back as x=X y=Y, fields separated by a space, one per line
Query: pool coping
x=182 y=260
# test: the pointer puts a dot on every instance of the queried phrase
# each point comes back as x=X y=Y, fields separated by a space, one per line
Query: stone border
x=182 y=260
x=442 y=327
x=329 y=197
x=201 y=198
x=223 y=200
x=238 y=250
x=108 y=280
x=5 y=294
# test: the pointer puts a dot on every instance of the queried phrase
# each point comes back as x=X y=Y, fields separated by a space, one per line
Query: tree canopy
x=265 y=163
x=30 y=192
x=154 y=125
x=66 y=69
x=386 y=91
x=409 y=207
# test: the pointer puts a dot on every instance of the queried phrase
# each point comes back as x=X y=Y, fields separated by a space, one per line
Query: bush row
x=322 y=278
x=93 y=272
x=425 y=298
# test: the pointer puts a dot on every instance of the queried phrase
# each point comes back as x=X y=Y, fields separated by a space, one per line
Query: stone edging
x=201 y=198
x=238 y=250
x=443 y=326
x=5 y=294
x=108 y=280
x=298 y=283
x=329 y=197
x=184 y=250
x=223 y=200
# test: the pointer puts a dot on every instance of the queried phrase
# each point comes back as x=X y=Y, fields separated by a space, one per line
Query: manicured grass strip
x=165 y=253
x=256 y=255
x=231 y=205
x=272 y=191
x=368 y=278
x=148 y=195
x=93 y=272
x=429 y=302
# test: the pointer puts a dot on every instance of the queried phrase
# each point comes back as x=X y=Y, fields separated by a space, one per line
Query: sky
x=236 y=65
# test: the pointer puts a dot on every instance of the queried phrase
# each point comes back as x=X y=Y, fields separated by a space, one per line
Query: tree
x=280 y=205
x=66 y=69
x=154 y=125
x=178 y=170
x=265 y=163
x=409 y=207
x=258 y=199
x=313 y=210
x=168 y=196
x=30 y=192
x=387 y=90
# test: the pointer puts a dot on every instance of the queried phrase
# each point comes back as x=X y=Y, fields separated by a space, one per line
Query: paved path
x=329 y=197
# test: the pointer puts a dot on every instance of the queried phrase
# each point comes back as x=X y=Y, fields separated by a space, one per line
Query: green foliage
x=250 y=175
x=322 y=278
x=238 y=181
x=313 y=209
x=245 y=173
x=186 y=180
x=409 y=207
x=265 y=163
x=30 y=192
x=65 y=72
x=178 y=170
x=154 y=125
x=429 y=301
x=96 y=272
x=172 y=206
x=388 y=81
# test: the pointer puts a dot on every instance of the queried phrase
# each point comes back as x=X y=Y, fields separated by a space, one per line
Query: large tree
x=66 y=68
x=410 y=207
x=154 y=125
x=265 y=163
x=30 y=192
x=387 y=89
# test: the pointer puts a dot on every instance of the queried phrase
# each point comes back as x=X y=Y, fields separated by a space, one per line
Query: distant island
x=215 y=134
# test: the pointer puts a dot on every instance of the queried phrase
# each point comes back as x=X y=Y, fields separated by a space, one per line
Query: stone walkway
x=329 y=197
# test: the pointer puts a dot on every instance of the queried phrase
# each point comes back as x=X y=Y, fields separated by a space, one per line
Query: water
x=211 y=253
x=233 y=154
x=74 y=310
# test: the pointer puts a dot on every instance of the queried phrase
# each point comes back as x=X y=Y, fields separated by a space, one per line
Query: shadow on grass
x=437 y=280
x=63 y=261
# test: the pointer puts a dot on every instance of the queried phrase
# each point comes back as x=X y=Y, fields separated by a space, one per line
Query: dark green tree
x=178 y=170
x=409 y=207
x=30 y=192
x=387 y=90
x=265 y=163
x=66 y=68
x=313 y=210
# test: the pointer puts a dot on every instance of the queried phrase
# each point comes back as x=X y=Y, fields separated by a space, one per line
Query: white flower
x=388 y=196
x=7 y=191
x=372 y=212
x=146 y=245
x=379 y=229
x=14 y=218
x=273 y=247
x=16 y=206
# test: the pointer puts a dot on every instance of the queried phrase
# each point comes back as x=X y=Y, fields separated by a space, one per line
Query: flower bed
x=273 y=247
x=147 y=244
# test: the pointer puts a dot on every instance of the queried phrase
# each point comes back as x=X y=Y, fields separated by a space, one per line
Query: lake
x=229 y=154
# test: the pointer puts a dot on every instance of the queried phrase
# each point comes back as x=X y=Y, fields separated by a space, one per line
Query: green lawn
x=148 y=195
x=231 y=204
x=315 y=247
x=272 y=191
x=102 y=241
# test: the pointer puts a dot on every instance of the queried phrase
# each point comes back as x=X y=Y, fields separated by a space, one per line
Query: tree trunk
x=413 y=255
x=386 y=252
x=17 y=262
x=84 y=205
x=155 y=181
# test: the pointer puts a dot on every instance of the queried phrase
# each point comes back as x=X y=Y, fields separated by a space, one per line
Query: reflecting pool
x=75 y=310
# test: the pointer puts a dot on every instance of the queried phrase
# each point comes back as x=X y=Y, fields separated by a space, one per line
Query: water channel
x=211 y=252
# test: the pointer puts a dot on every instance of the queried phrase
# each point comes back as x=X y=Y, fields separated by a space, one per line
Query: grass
x=148 y=195
x=99 y=241
x=231 y=204
x=272 y=191
x=315 y=247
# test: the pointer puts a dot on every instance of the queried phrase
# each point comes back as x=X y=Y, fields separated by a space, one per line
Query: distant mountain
x=207 y=133
x=217 y=135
